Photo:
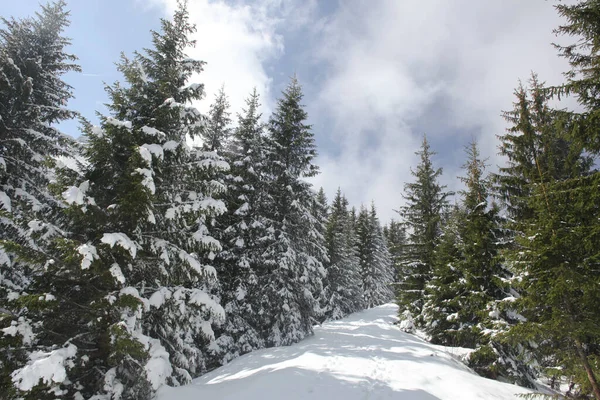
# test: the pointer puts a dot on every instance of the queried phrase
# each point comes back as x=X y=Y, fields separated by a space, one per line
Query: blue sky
x=377 y=75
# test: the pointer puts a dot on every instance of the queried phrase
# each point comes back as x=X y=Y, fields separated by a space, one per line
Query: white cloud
x=237 y=40
x=378 y=70
x=393 y=65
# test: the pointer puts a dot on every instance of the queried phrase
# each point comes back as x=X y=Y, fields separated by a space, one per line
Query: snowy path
x=361 y=357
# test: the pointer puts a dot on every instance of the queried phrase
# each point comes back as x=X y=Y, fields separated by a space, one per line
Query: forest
x=164 y=243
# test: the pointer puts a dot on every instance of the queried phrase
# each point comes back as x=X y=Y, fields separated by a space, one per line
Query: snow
x=116 y=272
x=193 y=262
x=35 y=225
x=5 y=202
x=243 y=210
x=120 y=239
x=170 y=214
x=89 y=254
x=148 y=130
x=170 y=145
x=363 y=356
x=201 y=298
x=71 y=163
x=35 y=203
x=49 y=367
x=75 y=194
x=158 y=367
x=147 y=181
x=20 y=327
x=159 y=297
x=149 y=150
x=112 y=384
x=118 y=123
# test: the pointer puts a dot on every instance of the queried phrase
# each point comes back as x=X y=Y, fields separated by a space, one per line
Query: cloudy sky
x=377 y=74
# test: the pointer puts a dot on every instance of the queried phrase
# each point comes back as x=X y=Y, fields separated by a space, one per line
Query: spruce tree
x=343 y=285
x=582 y=79
x=132 y=309
x=537 y=148
x=558 y=263
x=395 y=236
x=375 y=262
x=292 y=279
x=426 y=203
x=480 y=266
x=242 y=236
x=555 y=257
x=33 y=98
x=444 y=290
x=544 y=154
x=217 y=132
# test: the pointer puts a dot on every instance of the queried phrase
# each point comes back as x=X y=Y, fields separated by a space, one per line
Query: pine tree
x=218 y=131
x=33 y=97
x=480 y=266
x=395 y=236
x=426 y=202
x=543 y=155
x=242 y=237
x=375 y=262
x=555 y=256
x=320 y=210
x=293 y=274
x=558 y=262
x=131 y=292
x=536 y=149
x=444 y=291
x=343 y=284
x=582 y=79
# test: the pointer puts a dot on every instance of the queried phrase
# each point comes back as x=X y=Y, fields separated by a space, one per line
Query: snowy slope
x=362 y=356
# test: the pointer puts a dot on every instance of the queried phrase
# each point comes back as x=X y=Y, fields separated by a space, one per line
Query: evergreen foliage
x=426 y=204
x=537 y=147
x=542 y=156
x=136 y=260
x=468 y=275
x=242 y=236
x=554 y=257
x=343 y=287
x=584 y=59
x=33 y=97
x=292 y=280
x=129 y=288
x=375 y=263
x=395 y=236
x=217 y=132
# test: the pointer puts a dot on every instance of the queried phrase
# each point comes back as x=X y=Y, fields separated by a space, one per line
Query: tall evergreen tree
x=555 y=257
x=426 y=203
x=445 y=289
x=482 y=272
x=343 y=284
x=243 y=231
x=132 y=309
x=395 y=236
x=33 y=97
x=218 y=126
x=375 y=262
x=294 y=272
x=558 y=264
x=536 y=147
x=542 y=155
x=584 y=58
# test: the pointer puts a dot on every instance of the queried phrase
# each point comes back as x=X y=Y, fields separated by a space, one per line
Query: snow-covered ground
x=363 y=356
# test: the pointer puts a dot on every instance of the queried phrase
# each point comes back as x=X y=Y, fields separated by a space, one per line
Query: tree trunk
x=588 y=369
